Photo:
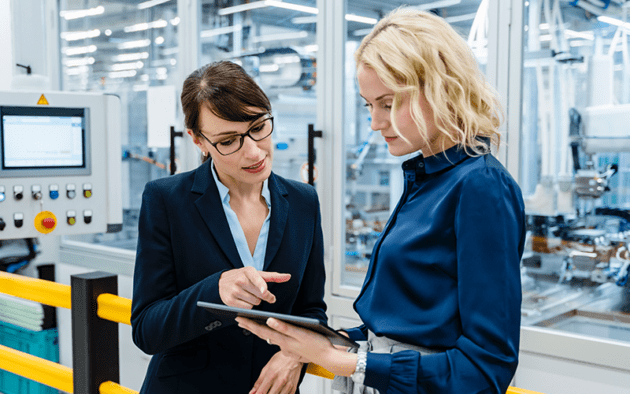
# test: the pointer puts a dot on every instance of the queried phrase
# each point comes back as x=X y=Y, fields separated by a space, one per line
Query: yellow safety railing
x=110 y=307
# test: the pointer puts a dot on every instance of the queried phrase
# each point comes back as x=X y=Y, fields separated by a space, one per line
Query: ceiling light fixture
x=220 y=30
x=76 y=14
x=146 y=26
x=151 y=3
x=435 y=4
x=134 y=44
x=80 y=35
x=361 y=19
x=70 y=51
x=128 y=57
x=267 y=3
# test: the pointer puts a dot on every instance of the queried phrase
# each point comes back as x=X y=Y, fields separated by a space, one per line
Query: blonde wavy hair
x=412 y=52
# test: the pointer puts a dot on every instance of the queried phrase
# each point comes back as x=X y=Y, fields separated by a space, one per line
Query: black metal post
x=312 y=134
x=95 y=357
x=172 y=155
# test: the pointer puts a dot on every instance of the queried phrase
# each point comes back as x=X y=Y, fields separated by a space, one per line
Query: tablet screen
x=262 y=316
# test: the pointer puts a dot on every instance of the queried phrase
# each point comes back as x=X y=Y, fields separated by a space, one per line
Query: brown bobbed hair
x=226 y=90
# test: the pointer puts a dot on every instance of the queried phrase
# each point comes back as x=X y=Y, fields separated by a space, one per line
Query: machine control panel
x=48 y=184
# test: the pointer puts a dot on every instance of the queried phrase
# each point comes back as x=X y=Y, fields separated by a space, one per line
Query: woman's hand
x=246 y=287
x=305 y=345
x=280 y=375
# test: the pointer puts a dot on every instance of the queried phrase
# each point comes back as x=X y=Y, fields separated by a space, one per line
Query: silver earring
x=204 y=154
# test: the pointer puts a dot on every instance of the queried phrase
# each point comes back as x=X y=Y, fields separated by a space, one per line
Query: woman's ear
x=195 y=139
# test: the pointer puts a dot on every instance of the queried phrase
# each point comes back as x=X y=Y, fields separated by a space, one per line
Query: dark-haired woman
x=229 y=232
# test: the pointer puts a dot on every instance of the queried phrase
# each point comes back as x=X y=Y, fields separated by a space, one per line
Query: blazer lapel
x=279 y=215
x=210 y=208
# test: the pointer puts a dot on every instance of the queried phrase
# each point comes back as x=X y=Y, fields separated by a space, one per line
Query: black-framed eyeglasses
x=233 y=142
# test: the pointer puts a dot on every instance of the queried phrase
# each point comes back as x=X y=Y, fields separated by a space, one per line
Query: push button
x=45 y=222
x=2 y=194
x=18 y=192
x=18 y=219
x=2 y=224
x=53 y=192
x=71 y=218
x=36 y=192
x=71 y=191
x=213 y=325
x=87 y=190
x=87 y=216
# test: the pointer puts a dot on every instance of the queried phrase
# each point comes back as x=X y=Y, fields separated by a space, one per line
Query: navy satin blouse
x=445 y=275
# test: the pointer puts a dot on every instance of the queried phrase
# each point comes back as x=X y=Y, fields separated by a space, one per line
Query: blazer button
x=247 y=333
x=213 y=325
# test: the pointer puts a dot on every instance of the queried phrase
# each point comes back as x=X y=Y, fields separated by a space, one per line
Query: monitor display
x=40 y=139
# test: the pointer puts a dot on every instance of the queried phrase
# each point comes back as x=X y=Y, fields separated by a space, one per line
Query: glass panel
x=275 y=43
x=373 y=176
x=128 y=49
x=574 y=168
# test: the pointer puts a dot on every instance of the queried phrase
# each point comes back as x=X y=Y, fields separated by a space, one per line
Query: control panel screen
x=35 y=138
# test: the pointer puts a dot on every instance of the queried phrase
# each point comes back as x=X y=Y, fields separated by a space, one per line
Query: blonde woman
x=440 y=304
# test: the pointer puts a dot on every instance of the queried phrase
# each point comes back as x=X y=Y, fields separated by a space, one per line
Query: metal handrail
x=39 y=290
x=35 y=368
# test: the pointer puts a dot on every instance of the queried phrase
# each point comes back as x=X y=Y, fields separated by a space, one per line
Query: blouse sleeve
x=490 y=231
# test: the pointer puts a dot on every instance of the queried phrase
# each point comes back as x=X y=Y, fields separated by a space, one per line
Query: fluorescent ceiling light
x=78 y=62
x=80 y=35
x=122 y=74
x=146 y=26
x=268 y=3
x=77 y=70
x=127 y=66
x=361 y=19
x=70 y=51
x=280 y=37
x=76 y=14
x=435 y=4
x=134 y=44
x=303 y=20
x=461 y=18
x=151 y=3
x=129 y=57
x=221 y=30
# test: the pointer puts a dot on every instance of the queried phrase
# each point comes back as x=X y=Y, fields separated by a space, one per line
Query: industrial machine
x=60 y=170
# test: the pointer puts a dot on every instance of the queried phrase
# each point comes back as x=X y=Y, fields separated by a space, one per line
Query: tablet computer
x=262 y=316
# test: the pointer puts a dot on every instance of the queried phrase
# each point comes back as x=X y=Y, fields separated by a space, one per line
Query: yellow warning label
x=42 y=101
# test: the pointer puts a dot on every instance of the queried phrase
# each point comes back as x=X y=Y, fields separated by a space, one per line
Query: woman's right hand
x=246 y=287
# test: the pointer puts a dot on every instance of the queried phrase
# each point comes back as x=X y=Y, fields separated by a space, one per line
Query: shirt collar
x=428 y=165
x=224 y=192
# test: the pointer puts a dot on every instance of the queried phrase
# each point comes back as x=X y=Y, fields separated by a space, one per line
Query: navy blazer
x=184 y=245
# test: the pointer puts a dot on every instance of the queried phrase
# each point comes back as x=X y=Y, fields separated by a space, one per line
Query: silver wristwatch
x=358 y=377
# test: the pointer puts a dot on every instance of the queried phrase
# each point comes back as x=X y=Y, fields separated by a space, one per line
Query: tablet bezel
x=261 y=317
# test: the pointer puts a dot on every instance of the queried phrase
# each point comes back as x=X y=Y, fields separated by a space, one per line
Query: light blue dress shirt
x=258 y=259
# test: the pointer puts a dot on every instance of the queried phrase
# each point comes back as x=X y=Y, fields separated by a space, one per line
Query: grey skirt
x=374 y=344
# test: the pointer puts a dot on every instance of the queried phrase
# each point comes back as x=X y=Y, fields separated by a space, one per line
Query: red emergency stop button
x=48 y=222
x=45 y=222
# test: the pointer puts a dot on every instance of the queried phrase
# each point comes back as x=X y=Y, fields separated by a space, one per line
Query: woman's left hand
x=279 y=376
x=305 y=345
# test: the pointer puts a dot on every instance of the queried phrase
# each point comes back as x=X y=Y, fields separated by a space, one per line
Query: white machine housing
x=606 y=128
x=60 y=164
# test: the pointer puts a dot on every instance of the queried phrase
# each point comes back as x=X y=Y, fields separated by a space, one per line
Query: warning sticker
x=42 y=101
